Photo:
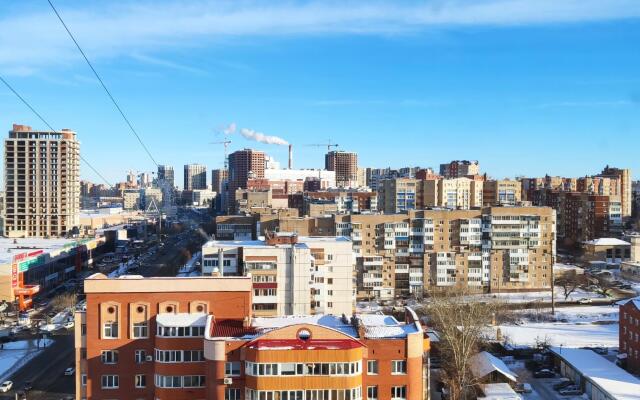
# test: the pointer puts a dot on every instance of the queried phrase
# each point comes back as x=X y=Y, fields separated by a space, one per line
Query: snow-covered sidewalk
x=15 y=355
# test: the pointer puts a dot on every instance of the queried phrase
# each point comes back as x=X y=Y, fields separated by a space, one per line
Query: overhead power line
x=113 y=100
x=26 y=103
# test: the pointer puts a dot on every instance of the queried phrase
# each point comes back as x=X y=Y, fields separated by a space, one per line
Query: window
x=186 y=331
x=398 y=367
x=140 y=330
x=140 y=356
x=110 y=381
x=372 y=367
x=398 y=392
x=109 y=356
x=110 y=330
x=83 y=329
x=83 y=379
x=141 y=381
x=83 y=354
x=372 y=393
x=232 y=368
x=231 y=394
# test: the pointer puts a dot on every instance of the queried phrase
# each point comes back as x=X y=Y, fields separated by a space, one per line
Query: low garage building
x=599 y=378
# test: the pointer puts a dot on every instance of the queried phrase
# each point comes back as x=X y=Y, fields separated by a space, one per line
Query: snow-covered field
x=14 y=355
x=594 y=326
x=543 y=296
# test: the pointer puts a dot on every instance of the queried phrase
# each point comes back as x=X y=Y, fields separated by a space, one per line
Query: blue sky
x=527 y=87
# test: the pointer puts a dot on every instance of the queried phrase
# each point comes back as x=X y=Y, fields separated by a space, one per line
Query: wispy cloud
x=586 y=104
x=388 y=102
x=31 y=41
x=167 y=64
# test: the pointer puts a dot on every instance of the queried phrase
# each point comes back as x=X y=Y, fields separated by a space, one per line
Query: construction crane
x=328 y=144
x=226 y=144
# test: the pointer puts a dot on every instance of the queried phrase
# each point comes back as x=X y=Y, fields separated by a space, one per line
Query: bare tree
x=63 y=301
x=461 y=322
x=569 y=281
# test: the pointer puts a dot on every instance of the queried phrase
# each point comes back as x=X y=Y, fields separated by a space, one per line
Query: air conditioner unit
x=228 y=381
x=149 y=358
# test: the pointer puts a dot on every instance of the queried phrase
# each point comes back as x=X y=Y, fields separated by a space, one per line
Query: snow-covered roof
x=484 y=363
x=608 y=242
x=12 y=247
x=376 y=326
x=635 y=300
x=181 y=319
x=613 y=380
x=499 y=391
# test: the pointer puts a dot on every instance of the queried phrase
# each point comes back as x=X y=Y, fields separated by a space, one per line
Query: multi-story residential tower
x=136 y=329
x=503 y=192
x=624 y=175
x=195 y=177
x=490 y=249
x=398 y=195
x=291 y=275
x=345 y=165
x=455 y=193
x=165 y=173
x=42 y=182
x=218 y=179
x=243 y=165
x=459 y=168
x=629 y=335
x=371 y=357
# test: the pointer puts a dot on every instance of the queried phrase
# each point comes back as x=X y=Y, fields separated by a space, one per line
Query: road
x=46 y=371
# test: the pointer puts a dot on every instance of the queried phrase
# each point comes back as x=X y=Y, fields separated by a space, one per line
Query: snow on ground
x=581 y=334
x=542 y=296
x=14 y=355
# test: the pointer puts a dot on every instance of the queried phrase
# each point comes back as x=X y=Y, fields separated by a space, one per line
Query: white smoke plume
x=261 y=137
x=230 y=129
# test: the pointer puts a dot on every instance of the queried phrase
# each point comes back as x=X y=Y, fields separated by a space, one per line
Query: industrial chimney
x=290 y=156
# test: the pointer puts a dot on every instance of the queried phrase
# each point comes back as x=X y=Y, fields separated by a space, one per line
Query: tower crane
x=328 y=144
x=226 y=144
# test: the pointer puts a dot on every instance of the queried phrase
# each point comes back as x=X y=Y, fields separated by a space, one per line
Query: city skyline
x=456 y=78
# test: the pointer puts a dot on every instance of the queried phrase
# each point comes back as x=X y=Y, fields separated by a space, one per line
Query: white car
x=6 y=386
x=69 y=324
x=585 y=301
x=69 y=371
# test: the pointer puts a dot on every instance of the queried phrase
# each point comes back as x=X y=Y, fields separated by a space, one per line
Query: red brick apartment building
x=629 y=344
x=194 y=338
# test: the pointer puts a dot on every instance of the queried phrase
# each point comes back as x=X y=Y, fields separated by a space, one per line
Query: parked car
x=523 y=388
x=564 y=382
x=6 y=386
x=585 y=300
x=572 y=390
x=544 y=373
x=69 y=324
x=69 y=371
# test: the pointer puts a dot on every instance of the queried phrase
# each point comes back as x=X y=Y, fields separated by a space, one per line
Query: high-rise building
x=195 y=176
x=244 y=165
x=398 y=195
x=291 y=275
x=459 y=168
x=456 y=193
x=42 y=182
x=345 y=165
x=134 y=330
x=166 y=174
x=624 y=175
x=218 y=179
x=195 y=338
x=505 y=192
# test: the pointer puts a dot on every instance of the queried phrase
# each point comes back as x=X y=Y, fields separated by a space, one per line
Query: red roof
x=230 y=328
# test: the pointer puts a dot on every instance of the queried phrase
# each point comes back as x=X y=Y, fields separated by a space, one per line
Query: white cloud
x=33 y=41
